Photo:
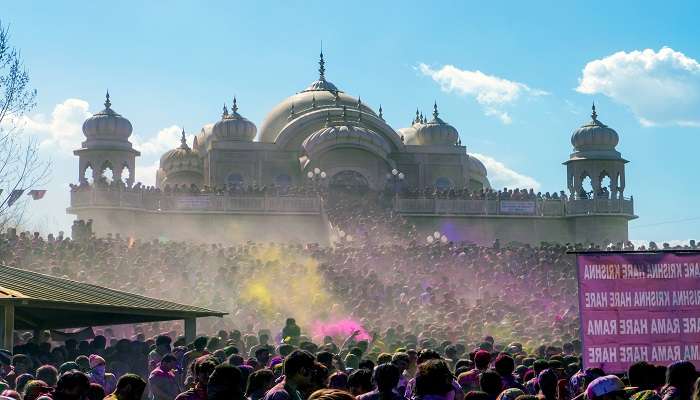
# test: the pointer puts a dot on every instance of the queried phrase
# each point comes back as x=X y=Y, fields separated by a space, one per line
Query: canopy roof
x=46 y=302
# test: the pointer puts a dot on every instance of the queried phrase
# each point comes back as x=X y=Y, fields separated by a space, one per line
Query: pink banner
x=639 y=307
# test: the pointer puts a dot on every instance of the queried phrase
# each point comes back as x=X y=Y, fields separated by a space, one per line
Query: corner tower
x=107 y=147
x=595 y=158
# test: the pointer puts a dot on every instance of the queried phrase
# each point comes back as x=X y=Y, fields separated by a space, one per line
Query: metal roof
x=51 y=302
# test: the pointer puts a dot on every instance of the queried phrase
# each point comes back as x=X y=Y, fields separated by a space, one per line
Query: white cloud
x=164 y=140
x=492 y=92
x=146 y=174
x=660 y=87
x=501 y=176
x=62 y=129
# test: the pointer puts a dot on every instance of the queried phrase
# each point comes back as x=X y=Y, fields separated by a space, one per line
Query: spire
x=225 y=112
x=594 y=114
x=234 y=107
x=195 y=144
x=415 y=121
x=183 y=140
x=422 y=118
x=291 y=111
x=435 y=110
x=108 y=103
x=321 y=66
x=381 y=112
x=359 y=102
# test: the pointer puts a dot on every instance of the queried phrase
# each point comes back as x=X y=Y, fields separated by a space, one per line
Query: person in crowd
x=608 y=387
x=680 y=378
x=162 y=348
x=72 y=385
x=199 y=349
x=225 y=383
x=433 y=380
x=95 y=392
x=385 y=378
x=360 y=382
x=99 y=375
x=48 y=374
x=298 y=371
x=259 y=382
x=129 y=387
x=202 y=368
x=162 y=382
x=35 y=389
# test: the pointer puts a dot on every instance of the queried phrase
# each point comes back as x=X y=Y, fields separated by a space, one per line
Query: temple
x=236 y=183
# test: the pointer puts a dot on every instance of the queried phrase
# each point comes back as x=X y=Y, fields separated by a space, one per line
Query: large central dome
x=320 y=94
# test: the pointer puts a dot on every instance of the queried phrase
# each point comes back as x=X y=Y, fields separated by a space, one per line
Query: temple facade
x=324 y=134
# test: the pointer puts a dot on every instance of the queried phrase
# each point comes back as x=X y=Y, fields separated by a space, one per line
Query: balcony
x=525 y=208
x=194 y=203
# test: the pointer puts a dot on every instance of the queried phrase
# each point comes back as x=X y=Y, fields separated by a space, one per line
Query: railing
x=538 y=207
x=183 y=202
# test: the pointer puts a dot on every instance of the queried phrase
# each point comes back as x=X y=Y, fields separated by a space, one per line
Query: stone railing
x=538 y=207
x=183 y=202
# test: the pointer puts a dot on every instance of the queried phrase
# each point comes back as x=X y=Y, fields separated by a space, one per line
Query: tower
x=595 y=158
x=107 y=147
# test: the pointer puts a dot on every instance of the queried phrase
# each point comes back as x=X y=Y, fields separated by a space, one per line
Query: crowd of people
x=380 y=315
x=239 y=190
x=227 y=366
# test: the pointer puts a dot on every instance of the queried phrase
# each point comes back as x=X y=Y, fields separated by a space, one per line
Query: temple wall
x=533 y=230
x=224 y=228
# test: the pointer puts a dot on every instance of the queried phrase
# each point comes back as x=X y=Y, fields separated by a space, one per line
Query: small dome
x=594 y=135
x=182 y=157
x=107 y=124
x=476 y=166
x=344 y=134
x=436 y=132
x=233 y=126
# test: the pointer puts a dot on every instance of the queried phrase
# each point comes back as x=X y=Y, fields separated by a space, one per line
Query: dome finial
x=321 y=66
x=225 y=112
x=594 y=114
x=183 y=140
x=435 y=110
x=381 y=112
x=417 y=116
x=234 y=107
x=108 y=103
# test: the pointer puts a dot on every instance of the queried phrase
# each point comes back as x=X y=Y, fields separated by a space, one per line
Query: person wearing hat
x=35 y=389
x=99 y=375
x=608 y=387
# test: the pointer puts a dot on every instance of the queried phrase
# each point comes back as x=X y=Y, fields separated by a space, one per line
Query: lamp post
x=436 y=237
x=316 y=176
x=395 y=177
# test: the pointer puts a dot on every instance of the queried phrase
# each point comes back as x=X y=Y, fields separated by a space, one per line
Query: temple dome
x=233 y=126
x=182 y=157
x=107 y=124
x=477 y=166
x=594 y=135
x=320 y=94
x=345 y=134
x=436 y=132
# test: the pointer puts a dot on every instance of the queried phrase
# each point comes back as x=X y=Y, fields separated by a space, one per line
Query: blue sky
x=508 y=75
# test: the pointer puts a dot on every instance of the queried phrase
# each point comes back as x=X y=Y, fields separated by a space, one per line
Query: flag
x=14 y=196
x=37 y=194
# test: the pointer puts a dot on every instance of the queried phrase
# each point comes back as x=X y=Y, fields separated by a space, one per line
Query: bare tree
x=20 y=165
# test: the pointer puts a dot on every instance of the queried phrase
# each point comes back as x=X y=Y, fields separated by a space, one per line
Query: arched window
x=586 y=187
x=443 y=183
x=87 y=174
x=125 y=173
x=283 y=180
x=107 y=173
x=234 y=180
